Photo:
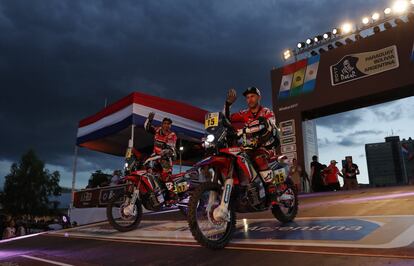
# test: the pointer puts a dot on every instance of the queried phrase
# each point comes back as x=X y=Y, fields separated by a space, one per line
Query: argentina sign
x=355 y=66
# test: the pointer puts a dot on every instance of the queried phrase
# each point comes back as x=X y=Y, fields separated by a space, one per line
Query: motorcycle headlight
x=210 y=138
x=126 y=166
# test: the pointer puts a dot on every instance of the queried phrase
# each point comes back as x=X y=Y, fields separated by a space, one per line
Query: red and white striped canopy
x=109 y=130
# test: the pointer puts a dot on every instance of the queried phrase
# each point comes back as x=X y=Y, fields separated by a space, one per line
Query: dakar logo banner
x=356 y=66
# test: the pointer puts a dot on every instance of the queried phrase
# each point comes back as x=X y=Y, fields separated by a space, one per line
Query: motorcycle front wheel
x=206 y=230
x=121 y=216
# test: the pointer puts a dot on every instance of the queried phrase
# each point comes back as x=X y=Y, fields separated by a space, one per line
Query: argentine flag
x=311 y=72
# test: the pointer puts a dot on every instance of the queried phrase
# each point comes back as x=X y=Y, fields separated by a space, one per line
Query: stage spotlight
x=375 y=16
x=327 y=35
x=377 y=29
x=309 y=41
x=301 y=45
x=335 y=31
x=287 y=54
x=365 y=20
x=348 y=41
x=321 y=51
x=400 y=6
x=346 y=28
x=387 y=11
x=313 y=53
x=387 y=25
x=317 y=38
x=338 y=44
x=399 y=21
x=330 y=47
x=358 y=37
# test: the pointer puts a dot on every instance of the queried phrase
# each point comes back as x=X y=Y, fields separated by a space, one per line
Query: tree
x=99 y=179
x=28 y=186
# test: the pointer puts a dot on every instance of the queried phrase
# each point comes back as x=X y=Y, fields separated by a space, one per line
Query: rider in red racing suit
x=261 y=133
x=164 y=144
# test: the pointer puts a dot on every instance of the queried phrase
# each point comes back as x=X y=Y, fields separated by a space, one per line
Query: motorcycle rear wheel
x=289 y=215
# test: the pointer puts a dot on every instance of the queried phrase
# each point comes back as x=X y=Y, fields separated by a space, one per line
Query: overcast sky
x=59 y=60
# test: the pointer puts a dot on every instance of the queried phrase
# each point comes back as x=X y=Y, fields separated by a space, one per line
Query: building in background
x=390 y=162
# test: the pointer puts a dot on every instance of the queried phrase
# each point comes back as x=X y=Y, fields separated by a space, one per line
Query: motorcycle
x=235 y=186
x=145 y=189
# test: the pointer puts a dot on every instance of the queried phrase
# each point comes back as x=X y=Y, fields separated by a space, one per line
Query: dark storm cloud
x=59 y=60
x=349 y=142
x=389 y=114
x=341 y=122
x=367 y=132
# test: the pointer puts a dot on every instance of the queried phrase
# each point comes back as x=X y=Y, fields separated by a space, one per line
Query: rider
x=260 y=136
x=164 y=146
x=260 y=131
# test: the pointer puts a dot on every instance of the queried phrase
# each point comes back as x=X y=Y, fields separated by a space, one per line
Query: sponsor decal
x=288 y=140
x=361 y=65
x=86 y=196
x=227 y=193
x=345 y=230
x=292 y=106
x=290 y=156
x=288 y=148
x=106 y=194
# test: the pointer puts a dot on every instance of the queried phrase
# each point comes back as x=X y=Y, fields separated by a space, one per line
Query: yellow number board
x=181 y=187
x=211 y=120
x=128 y=153
x=279 y=176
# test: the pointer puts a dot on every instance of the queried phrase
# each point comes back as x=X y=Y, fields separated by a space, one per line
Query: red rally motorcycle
x=235 y=186
x=144 y=188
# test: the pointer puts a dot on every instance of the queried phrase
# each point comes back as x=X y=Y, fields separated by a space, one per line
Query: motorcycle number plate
x=279 y=176
x=211 y=120
x=181 y=187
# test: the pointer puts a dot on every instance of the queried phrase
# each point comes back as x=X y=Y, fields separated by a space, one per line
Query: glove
x=167 y=153
x=231 y=96
x=151 y=116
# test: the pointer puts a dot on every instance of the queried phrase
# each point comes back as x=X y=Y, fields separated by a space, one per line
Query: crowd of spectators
x=325 y=177
x=11 y=227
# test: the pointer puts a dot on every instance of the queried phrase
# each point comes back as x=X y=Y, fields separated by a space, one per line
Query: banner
x=299 y=77
x=356 y=66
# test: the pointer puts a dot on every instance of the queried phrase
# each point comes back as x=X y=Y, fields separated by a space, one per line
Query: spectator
x=115 y=178
x=316 y=175
x=331 y=178
x=295 y=174
x=350 y=172
x=21 y=230
x=10 y=230
x=306 y=182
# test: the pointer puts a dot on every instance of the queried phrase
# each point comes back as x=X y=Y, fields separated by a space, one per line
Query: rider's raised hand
x=231 y=96
x=151 y=116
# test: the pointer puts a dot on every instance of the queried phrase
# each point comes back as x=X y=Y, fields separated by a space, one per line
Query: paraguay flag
x=406 y=152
